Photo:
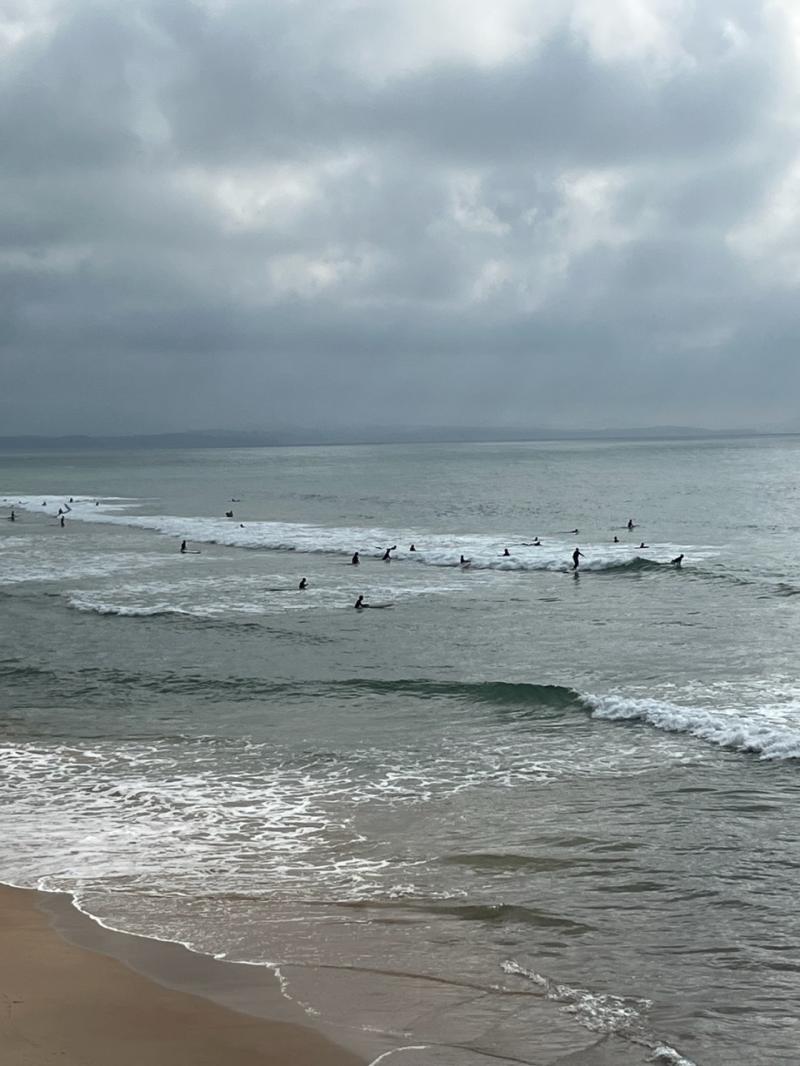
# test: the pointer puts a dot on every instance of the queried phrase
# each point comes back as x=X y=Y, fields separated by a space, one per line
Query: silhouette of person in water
x=229 y=514
x=303 y=584
x=536 y=542
x=616 y=539
x=464 y=562
x=360 y=603
x=630 y=523
x=387 y=555
x=677 y=561
x=412 y=548
x=506 y=553
x=61 y=521
x=183 y=546
x=643 y=545
x=355 y=560
x=12 y=517
x=577 y=555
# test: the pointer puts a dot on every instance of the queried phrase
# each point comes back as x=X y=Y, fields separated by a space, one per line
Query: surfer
x=576 y=556
x=61 y=521
x=573 y=531
x=387 y=555
x=536 y=542
x=412 y=548
x=303 y=584
x=71 y=500
x=229 y=514
x=12 y=517
x=677 y=561
x=183 y=547
x=643 y=545
x=506 y=553
x=360 y=603
x=630 y=524
x=464 y=562
x=616 y=539
x=355 y=560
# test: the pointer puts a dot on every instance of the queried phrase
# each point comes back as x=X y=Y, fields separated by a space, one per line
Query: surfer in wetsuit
x=577 y=555
x=506 y=553
x=387 y=555
x=61 y=521
x=464 y=562
x=643 y=545
x=412 y=548
x=229 y=514
x=12 y=517
x=303 y=584
x=359 y=604
x=355 y=560
x=630 y=524
x=677 y=561
x=616 y=539
x=183 y=547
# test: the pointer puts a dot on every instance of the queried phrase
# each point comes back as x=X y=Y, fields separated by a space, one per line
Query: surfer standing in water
x=355 y=560
x=577 y=555
x=183 y=547
x=678 y=561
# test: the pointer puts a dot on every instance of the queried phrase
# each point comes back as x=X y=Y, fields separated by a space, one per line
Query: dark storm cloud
x=291 y=212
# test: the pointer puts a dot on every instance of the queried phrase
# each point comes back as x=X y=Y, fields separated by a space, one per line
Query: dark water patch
x=508 y=861
x=491 y=913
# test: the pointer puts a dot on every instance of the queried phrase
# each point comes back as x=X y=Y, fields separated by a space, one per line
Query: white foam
x=771 y=730
x=433 y=549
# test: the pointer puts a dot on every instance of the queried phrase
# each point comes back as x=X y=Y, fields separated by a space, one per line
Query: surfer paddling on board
x=643 y=545
x=577 y=555
x=303 y=584
x=359 y=604
x=464 y=562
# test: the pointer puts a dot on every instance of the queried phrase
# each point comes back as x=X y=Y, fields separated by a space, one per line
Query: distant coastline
x=390 y=435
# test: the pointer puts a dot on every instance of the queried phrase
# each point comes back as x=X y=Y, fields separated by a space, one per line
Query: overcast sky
x=565 y=213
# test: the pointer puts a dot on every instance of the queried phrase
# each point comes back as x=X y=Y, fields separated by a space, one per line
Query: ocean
x=526 y=813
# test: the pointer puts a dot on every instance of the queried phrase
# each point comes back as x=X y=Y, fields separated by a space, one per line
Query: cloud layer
x=286 y=212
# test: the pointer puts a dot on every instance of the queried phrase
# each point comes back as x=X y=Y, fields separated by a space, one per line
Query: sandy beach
x=63 y=1003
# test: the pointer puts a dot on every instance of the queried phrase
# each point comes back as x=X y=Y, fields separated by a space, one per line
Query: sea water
x=525 y=812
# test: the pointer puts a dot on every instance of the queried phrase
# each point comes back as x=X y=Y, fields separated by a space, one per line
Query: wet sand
x=61 y=1002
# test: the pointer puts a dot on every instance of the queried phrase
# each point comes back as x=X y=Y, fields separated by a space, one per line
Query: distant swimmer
x=360 y=603
x=12 y=517
x=616 y=539
x=241 y=525
x=412 y=548
x=677 y=561
x=71 y=500
x=97 y=503
x=573 y=531
x=61 y=521
x=235 y=499
x=576 y=556
x=506 y=553
x=229 y=514
x=183 y=547
x=355 y=560
x=643 y=545
x=630 y=523
x=464 y=562
x=44 y=503
x=303 y=584
x=387 y=555
x=537 y=543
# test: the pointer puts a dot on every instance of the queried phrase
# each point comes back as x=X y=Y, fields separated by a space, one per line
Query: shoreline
x=74 y=991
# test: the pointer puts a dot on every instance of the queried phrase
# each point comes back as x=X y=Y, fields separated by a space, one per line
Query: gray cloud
x=245 y=214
